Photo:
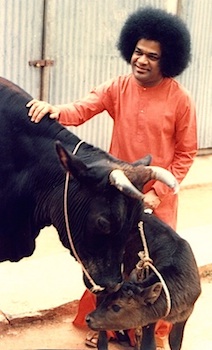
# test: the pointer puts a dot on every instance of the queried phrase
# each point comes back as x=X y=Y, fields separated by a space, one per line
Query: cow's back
x=29 y=165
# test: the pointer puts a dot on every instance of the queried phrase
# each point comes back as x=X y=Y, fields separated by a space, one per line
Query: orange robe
x=160 y=121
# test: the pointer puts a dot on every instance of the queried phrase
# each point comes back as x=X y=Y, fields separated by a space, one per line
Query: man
x=152 y=112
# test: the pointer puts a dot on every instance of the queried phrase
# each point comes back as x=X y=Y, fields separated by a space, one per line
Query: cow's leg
x=102 y=343
x=176 y=335
x=148 y=338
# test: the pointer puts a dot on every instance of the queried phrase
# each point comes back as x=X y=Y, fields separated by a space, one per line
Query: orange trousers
x=88 y=303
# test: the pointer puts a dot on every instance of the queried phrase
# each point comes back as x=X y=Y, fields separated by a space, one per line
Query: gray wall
x=80 y=37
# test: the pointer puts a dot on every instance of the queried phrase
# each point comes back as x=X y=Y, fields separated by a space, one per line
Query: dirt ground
x=53 y=329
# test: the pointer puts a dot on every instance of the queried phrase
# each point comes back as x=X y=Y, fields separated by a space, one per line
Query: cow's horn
x=120 y=181
x=164 y=176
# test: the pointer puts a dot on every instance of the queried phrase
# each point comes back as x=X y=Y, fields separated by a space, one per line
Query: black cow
x=32 y=186
x=141 y=303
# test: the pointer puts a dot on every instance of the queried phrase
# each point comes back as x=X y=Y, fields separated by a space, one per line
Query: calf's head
x=130 y=307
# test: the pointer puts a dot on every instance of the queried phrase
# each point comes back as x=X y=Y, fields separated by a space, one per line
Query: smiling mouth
x=141 y=69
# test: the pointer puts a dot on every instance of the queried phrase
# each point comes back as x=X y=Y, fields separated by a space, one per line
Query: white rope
x=165 y=288
x=95 y=288
x=146 y=262
x=77 y=147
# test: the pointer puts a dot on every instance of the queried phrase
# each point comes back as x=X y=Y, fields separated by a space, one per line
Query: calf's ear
x=151 y=294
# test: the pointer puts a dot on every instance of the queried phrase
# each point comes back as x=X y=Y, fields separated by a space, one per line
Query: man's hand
x=151 y=200
x=38 y=109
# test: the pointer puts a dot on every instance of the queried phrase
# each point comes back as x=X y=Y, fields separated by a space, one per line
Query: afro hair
x=167 y=29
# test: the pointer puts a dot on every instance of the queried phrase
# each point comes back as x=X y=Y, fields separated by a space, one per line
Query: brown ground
x=53 y=329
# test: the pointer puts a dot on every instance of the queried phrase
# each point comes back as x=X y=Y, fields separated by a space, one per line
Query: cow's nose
x=88 y=320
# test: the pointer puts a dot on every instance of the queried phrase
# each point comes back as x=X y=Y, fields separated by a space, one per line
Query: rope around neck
x=95 y=288
x=146 y=262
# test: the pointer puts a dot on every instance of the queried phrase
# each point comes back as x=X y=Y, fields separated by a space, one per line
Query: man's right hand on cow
x=38 y=109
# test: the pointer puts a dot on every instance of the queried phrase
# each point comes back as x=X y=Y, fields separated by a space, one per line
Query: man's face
x=145 y=62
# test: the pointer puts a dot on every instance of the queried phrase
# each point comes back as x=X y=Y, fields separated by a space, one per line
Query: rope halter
x=95 y=288
x=145 y=263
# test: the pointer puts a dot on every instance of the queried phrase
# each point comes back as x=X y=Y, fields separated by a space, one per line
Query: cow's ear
x=70 y=162
x=151 y=294
x=143 y=161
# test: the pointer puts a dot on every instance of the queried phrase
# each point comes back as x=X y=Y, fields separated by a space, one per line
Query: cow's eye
x=116 y=307
x=103 y=225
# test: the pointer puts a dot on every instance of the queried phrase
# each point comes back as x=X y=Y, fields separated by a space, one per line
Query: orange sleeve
x=98 y=100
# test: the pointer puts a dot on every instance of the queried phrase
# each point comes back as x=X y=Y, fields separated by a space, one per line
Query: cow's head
x=104 y=206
